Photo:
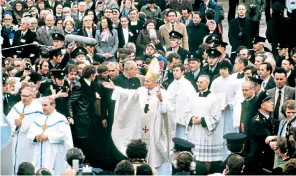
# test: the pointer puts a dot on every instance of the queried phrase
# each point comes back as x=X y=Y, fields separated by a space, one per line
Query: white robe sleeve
x=213 y=119
x=11 y=116
x=33 y=132
x=59 y=135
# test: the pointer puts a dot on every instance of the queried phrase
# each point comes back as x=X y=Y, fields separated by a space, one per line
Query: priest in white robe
x=206 y=125
x=20 y=117
x=226 y=85
x=51 y=137
x=179 y=95
x=142 y=114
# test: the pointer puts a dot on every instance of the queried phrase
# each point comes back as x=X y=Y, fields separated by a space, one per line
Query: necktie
x=49 y=31
x=205 y=7
x=263 y=85
x=173 y=28
x=23 y=34
x=277 y=106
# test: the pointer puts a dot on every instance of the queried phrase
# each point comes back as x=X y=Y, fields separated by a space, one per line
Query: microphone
x=82 y=39
x=153 y=35
x=146 y=109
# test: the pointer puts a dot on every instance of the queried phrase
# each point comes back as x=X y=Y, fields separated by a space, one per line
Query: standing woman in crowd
x=7 y=33
x=18 y=11
x=107 y=39
x=59 y=12
x=59 y=24
x=40 y=5
x=69 y=26
x=125 y=7
x=74 y=8
x=34 y=12
x=29 y=3
x=213 y=28
x=91 y=13
x=149 y=35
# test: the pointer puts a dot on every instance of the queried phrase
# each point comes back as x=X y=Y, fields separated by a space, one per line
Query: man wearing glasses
x=21 y=117
x=7 y=34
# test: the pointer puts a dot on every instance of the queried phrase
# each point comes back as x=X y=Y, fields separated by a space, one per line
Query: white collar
x=282 y=89
x=87 y=82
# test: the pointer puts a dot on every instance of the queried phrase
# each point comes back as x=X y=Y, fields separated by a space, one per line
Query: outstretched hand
x=109 y=85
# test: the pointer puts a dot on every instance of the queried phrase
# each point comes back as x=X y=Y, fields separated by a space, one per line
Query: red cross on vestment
x=145 y=129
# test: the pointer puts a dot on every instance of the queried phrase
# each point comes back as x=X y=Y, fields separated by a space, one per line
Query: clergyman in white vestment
x=179 y=94
x=141 y=114
x=20 y=117
x=51 y=136
x=206 y=125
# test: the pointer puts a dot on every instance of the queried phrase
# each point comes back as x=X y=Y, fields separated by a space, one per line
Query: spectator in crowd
x=107 y=38
x=26 y=168
x=124 y=168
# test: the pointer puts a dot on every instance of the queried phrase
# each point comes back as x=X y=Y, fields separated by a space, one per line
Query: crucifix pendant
x=145 y=129
x=22 y=116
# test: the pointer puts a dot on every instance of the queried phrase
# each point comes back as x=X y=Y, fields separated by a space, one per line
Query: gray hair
x=113 y=64
x=129 y=65
x=251 y=83
x=206 y=77
x=26 y=20
x=130 y=46
x=74 y=154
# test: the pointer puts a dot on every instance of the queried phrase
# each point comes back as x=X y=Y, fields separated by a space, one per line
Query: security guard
x=58 y=40
x=175 y=45
x=79 y=54
x=55 y=58
x=183 y=146
x=262 y=132
x=59 y=85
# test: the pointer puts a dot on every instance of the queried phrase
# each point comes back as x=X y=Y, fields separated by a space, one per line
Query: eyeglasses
x=26 y=96
x=108 y=12
x=111 y=70
x=123 y=21
x=17 y=65
x=59 y=23
x=7 y=19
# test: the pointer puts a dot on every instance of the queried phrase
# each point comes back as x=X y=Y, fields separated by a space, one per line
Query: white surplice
x=131 y=122
x=22 y=150
x=51 y=153
x=179 y=96
x=208 y=140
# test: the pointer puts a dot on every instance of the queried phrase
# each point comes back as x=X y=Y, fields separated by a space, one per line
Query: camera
x=28 y=66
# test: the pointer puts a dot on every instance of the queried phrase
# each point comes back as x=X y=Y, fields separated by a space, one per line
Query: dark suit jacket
x=193 y=81
x=213 y=75
x=83 y=32
x=24 y=52
x=81 y=106
x=270 y=84
x=121 y=37
x=247 y=31
x=168 y=78
x=196 y=33
x=291 y=79
x=249 y=110
x=182 y=52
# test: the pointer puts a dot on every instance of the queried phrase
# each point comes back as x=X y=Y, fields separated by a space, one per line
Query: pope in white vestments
x=179 y=95
x=20 y=117
x=51 y=136
x=141 y=114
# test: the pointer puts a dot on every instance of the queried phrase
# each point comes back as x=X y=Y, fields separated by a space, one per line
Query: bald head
x=69 y=172
x=248 y=89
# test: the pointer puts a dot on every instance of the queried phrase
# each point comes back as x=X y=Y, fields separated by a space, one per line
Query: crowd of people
x=146 y=87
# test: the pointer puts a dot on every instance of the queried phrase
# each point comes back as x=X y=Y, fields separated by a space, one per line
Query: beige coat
x=181 y=28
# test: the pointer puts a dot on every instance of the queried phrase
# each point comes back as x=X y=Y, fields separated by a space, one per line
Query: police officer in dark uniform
x=56 y=55
x=212 y=69
x=175 y=42
x=55 y=58
x=235 y=144
x=262 y=133
x=183 y=146
x=59 y=85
